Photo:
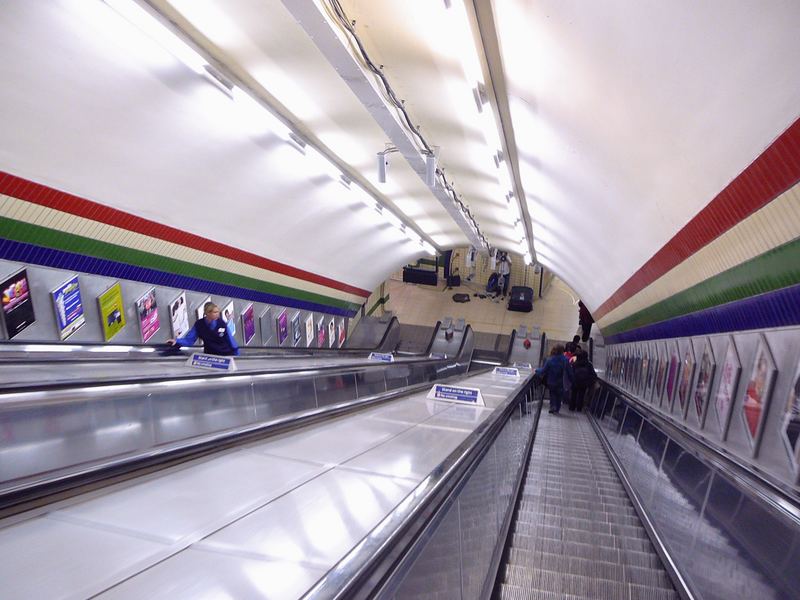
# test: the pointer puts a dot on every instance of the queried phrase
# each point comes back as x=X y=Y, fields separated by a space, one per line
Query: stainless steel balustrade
x=724 y=527
x=447 y=536
x=56 y=434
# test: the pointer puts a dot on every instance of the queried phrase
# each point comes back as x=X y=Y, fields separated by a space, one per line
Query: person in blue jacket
x=216 y=334
x=556 y=372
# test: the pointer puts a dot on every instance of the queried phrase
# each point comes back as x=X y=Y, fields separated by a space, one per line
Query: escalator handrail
x=752 y=482
x=194 y=379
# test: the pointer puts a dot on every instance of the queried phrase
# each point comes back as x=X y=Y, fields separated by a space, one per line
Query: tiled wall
x=735 y=266
x=47 y=227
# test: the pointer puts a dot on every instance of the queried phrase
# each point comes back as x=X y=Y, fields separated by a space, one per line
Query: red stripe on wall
x=767 y=177
x=36 y=193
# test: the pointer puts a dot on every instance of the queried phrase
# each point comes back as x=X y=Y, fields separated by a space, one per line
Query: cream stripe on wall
x=27 y=212
x=776 y=223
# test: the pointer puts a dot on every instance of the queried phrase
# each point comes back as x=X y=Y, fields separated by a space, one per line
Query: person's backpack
x=491 y=285
x=584 y=375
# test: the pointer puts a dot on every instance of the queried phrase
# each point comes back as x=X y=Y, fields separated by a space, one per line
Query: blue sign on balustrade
x=381 y=357
x=454 y=393
x=211 y=361
x=506 y=371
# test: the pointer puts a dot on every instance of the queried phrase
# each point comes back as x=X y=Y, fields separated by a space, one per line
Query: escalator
x=576 y=533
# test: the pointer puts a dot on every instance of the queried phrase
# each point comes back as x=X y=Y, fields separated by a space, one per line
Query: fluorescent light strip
x=147 y=23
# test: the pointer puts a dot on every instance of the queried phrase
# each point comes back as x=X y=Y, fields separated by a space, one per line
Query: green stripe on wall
x=773 y=270
x=50 y=238
x=377 y=304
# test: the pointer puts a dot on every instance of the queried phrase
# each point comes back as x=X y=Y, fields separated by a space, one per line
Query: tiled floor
x=556 y=313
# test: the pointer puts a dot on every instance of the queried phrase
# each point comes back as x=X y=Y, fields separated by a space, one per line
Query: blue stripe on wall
x=50 y=257
x=780 y=308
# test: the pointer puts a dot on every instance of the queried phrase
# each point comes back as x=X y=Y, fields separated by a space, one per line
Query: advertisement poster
x=17 y=303
x=282 y=325
x=331 y=334
x=687 y=374
x=229 y=316
x=791 y=421
x=202 y=308
x=728 y=382
x=248 y=324
x=179 y=316
x=296 y=333
x=661 y=377
x=672 y=375
x=69 y=308
x=267 y=326
x=645 y=371
x=704 y=379
x=321 y=333
x=147 y=309
x=342 y=333
x=112 y=311
x=309 y=330
x=759 y=385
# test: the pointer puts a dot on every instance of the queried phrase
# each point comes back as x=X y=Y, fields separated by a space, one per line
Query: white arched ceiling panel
x=630 y=117
x=92 y=108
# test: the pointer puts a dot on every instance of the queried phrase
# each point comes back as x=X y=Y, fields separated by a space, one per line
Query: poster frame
x=732 y=359
x=282 y=326
x=200 y=310
x=331 y=333
x=184 y=307
x=762 y=351
x=27 y=303
x=139 y=305
x=309 y=323
x=252 y=312
x=114 y=290
x=704 y=392
x=685 y=381
x=792 y=407
x=231 y=310
x=297 y=334
x=79 y=321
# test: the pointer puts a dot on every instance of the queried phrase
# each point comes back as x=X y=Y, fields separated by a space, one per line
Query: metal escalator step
x=565 y=583
x=572 y=502
x=514 y=592
x=651 y=576
x=547 y=508
x=587 y=551
x=639 y=592
x=589 y=525
x=567 y=564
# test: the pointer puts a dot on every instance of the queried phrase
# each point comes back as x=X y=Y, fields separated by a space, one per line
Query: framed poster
x=705 y=377
x=645 y=372
x=112 y=311
x=17 y=303
x=147 y=311
x=309 y=330
x=69 y=308
x=282 y=327
x=687 y=377
x=342 y=331
x=267 y=326
x=728 y=382
x=672 y=373
x=331 y=334
x=661 y=378
x=652 y=367
x=179 y=316
x=229 y=316
x=201 y=310
x=790 y=428
x=296 y=332
x=757 y=392
x=321 y=332
x=248 y=324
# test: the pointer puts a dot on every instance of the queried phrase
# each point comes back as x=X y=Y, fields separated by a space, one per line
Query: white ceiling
x=628 y=118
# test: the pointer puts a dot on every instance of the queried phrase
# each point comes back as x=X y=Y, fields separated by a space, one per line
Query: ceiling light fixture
x=159 y=32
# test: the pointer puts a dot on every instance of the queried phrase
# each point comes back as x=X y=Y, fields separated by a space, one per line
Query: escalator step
x=546 y=508
x=513 y=592
x=586 y=551
x=565 y=583
x=571 y=522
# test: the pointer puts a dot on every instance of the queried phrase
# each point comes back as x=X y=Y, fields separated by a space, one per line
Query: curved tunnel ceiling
x=621 y=121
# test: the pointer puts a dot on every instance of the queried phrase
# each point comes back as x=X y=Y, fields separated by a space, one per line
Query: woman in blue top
x=216 y=334
x=556 y=372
